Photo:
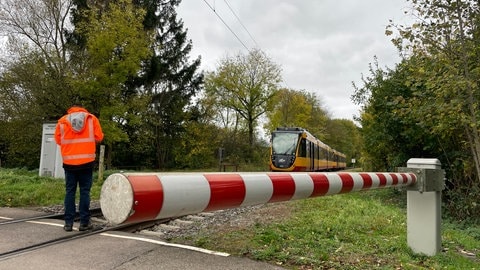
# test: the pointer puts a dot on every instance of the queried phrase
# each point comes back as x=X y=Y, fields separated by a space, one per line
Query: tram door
x=312 y=156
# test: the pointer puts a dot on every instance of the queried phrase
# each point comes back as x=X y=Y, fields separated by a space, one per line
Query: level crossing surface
x=107 y=250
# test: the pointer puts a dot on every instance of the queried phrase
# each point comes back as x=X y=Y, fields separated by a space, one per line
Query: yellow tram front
x=291 y=149
x=284 y=148
x=295 y=149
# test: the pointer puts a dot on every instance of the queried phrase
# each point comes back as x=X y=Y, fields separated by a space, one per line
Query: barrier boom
x=137 y=197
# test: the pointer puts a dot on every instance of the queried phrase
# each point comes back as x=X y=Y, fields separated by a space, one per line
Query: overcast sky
x=322 y=46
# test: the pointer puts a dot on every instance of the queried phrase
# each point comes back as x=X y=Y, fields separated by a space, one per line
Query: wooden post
x=101 y=161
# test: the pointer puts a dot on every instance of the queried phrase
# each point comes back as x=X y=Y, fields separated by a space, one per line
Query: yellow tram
x=295 y=149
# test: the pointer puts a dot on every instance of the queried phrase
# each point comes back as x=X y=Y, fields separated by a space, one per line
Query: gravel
x=191 y=225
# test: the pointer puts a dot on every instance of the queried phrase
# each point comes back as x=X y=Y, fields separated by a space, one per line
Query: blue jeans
x=83 y=178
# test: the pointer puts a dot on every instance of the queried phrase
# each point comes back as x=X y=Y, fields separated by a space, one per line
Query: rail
x=94 y=212
x=77 y=235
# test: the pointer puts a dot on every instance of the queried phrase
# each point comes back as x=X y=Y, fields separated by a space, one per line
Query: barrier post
x=424 y=200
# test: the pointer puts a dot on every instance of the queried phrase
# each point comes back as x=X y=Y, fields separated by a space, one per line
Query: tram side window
x=303 y=148
x=323 y=153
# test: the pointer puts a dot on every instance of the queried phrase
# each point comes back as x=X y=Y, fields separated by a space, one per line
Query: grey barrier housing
x=424 y=198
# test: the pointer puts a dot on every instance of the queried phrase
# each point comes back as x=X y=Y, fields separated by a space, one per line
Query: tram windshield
x=284 y=143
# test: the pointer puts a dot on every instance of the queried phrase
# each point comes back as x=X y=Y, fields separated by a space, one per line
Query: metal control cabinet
x=51 y=158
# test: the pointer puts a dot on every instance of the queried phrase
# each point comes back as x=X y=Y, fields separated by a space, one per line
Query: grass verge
x=365 y=230
x=23 y=188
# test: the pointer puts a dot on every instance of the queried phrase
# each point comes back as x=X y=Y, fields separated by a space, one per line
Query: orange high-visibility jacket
x=77 y=133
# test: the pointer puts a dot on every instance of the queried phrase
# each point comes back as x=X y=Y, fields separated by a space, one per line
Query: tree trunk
x=471 y=129
x=474 y=143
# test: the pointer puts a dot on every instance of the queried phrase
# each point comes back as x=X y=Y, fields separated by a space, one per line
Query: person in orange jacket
x=77 y=133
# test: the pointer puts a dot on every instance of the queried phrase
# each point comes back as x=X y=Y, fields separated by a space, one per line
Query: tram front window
x=284 y=143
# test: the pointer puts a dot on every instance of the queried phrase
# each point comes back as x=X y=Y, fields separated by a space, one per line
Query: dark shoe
x=68 y=227
x=85 y=227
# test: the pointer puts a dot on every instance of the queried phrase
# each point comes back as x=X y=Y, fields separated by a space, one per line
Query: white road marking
x=168 y=244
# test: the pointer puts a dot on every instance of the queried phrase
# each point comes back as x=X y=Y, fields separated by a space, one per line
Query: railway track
x=95 y=212
x=98 y=229
x=163 y=228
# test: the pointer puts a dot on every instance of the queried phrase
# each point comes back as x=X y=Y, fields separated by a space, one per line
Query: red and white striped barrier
x=136 y=197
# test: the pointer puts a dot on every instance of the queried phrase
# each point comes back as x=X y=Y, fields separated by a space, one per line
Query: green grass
x=23 y=188
x=364 y=230
x=350 y=231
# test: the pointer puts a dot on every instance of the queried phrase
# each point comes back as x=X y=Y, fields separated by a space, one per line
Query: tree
x=36 y=37
x=198 y=146
x=57 y=63
x=443 y=48
x=168 y=80
x=344 y=136
x=445 y=43
x=390 y=132
x=34 y=75
x=115 y=47
x=39 y=26
x=23 y=85
x=245 y=84
x=292 y=108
